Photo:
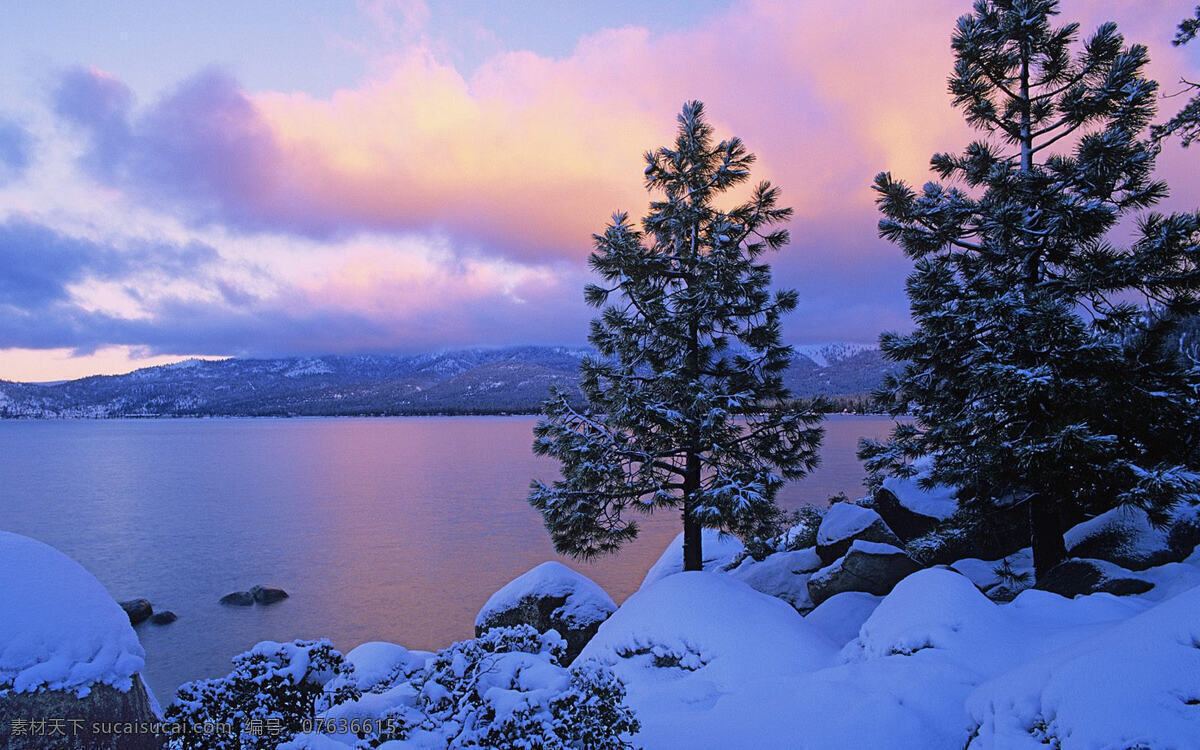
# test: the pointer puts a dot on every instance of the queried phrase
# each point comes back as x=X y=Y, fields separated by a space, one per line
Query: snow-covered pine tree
x=1186 y=123
x=1033 y=376
x=686 y=408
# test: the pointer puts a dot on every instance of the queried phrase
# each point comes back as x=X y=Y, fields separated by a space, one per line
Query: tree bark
x=1046 y=533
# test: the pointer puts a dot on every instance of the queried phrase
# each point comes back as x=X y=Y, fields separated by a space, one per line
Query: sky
x=288 y=177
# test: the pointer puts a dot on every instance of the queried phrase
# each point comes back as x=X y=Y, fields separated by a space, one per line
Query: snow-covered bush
x=506 y=689
x=275 y=691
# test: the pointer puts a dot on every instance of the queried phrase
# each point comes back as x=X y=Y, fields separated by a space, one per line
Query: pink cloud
x=520 y=161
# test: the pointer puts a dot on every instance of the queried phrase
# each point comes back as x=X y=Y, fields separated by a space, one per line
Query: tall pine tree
x=1034 y=377
x=686 y=408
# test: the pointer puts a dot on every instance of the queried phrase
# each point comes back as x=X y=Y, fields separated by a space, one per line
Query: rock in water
x=846 y=522
x=139 y=610
x=267 y=594
x=867 y=566
x=238 y=599
x=166 y=617
x=549 y=597
x=70 y=653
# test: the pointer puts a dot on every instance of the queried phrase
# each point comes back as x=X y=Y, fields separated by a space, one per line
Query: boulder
x=1123 y=536
x=549 y=597
x=71 y=658
x=846 y=522
x=911 y=510
x=1079 y=576
x=103 y=706
x=238 y=599
x=783 y=575
x=1004 y=532
x=267 y=594
x=166 y=617
x=139 y=610
x=871 y=567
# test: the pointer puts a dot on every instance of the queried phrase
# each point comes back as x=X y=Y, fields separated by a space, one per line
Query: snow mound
x=585 y=601
x=378 y=661
x=59 y=628
x=1135 y=685
x=938 y=502
x=696 y=622
x=928 y=609
x=720 y=550
x=841 y=616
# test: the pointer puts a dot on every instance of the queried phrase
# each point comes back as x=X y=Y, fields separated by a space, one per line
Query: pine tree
x=1034 y=378
x=686 y=408
x=1186 y=123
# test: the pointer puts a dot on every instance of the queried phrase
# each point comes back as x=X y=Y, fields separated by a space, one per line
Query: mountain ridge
x=463 y=381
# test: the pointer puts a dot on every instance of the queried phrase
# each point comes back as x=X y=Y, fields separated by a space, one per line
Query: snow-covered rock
x=871 y=567
x=1123 y=536
x=910 y=510
x=59 y=627
x=551 y=596
x=846 y=522
x=783 y=575
x=719 y=550
x=1080 y=576
x=67 y=649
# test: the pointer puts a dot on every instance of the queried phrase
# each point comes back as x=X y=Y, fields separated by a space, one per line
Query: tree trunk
x=1046 y=533
x=693 y=554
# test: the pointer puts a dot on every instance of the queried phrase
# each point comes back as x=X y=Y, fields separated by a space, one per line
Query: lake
x=380 y=529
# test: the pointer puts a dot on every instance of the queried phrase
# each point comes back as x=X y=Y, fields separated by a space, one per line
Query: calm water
x=380 y=529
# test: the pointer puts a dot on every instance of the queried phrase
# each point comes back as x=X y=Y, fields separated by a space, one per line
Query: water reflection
x=393 y=529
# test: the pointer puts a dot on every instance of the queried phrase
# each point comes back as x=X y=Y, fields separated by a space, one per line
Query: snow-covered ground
x=934 y=664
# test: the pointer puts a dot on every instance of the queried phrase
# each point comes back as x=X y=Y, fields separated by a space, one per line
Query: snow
x=1131 y=525
x=59 y=628
x=844 y=520
x=841 y=616
x=377 y=661
x=783 y=575
x=687 y=643
x=585 y=601
x=983 y=572
x=934 y=664
x=938 y=502
x=1134 y=685
x=720 y=550
x=823 y=355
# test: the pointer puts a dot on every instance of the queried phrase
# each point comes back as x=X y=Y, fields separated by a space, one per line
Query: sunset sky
x=273 y=178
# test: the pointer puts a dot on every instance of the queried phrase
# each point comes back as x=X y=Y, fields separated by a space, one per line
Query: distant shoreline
x=422 y=415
